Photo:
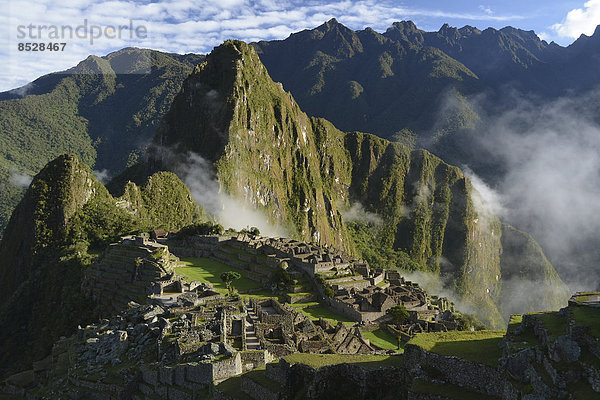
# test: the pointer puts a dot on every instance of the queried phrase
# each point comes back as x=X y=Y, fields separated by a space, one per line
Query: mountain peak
x=406 y=31
x=404 y=26
x=201 y=115
x=449 y=31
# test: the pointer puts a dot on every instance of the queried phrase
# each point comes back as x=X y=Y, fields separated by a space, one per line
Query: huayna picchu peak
x=288 y=219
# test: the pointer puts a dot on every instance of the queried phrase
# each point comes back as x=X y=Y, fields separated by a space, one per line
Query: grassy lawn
x=382 y=338
x=479 y=346
x=555 y=324
x=231 y=387
x=304 y=305
x=524 y=340
x=514 y=322
x=258 y=376
x=315 y=313
x=260 y=295
x=447 y=390
x=209 y=271
x=367 y=361
x=382 y=283
x=588 y=317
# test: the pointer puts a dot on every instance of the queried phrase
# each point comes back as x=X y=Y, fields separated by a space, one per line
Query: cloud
x=550 y=155
x=357 y=213
x=486 y=9
x=199 y=176
x=435 y=286
x=102 y=175
x=184 y=26
x=23 y=90
x=579 y=21
x=487 y=201
x=19 y=179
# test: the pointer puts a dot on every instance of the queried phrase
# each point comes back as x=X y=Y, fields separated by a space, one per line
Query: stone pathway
x=252 y=342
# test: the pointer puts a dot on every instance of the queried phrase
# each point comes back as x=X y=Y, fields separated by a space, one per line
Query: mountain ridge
x=105 y=113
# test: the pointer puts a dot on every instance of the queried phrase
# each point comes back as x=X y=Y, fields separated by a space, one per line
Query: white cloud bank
x=579 y=21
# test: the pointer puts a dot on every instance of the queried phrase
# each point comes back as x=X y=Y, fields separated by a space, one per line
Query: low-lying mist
x=551 y=186
x=199 y=175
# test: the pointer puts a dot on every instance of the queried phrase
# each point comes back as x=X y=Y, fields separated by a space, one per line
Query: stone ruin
x=133 y=269
x=282 y=330
x=140 y=268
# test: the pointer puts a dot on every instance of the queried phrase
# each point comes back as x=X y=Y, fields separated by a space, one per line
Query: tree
x=229 y=277
x=253 y=231
x=202 y=228
x=281 y=277
x=398 y=314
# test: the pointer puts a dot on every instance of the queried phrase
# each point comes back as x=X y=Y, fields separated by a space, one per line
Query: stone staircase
x=252 y=342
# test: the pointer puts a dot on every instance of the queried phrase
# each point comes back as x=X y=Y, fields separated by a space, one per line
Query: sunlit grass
x=478 y=346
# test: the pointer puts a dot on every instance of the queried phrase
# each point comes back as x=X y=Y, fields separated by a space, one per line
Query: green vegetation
x=399 y=314
x=228 y=278
x=382 y=339
x=368 y=361
x=525 y=268
x=281 y=277
x=203 y=228
x=431 y=223
x=371 y=243
x=231 y=387
x=321 y=64
x=588 y=317
x=478 y=346
x=524 y=340
x=62 y=224
x=258 y=376
x=325 y=313
x=468 y=322
x=102 y=110
x=554 y=323
x=252 y=231
x=209 y=271
x=430 y=214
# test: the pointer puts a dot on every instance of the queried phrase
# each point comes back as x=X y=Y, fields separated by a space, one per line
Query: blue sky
x=197 y=26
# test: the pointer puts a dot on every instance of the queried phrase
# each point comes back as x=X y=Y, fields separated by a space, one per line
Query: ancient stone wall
x=252 y=359
x=349 y=311
x=457 y=371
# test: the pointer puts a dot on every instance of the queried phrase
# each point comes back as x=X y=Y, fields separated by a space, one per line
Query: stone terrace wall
x=115 y=279
x=350 y=312
x=457 y=371
x=257 y=358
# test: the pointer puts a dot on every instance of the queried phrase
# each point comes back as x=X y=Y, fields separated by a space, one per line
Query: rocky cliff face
x=303 y=171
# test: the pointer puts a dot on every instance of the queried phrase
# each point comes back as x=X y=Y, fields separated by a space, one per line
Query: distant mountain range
x=414 y=86
x=406 y=85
